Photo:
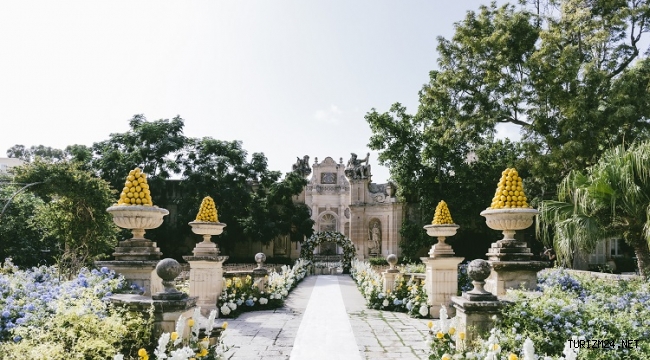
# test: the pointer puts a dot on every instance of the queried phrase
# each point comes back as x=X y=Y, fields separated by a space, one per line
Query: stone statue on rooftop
x=358 y=169
x=302 y=166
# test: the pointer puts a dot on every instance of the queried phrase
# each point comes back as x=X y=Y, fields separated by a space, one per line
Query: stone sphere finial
x=392 y=260
x=260 y=258
x=168 y=270
x=479 y=270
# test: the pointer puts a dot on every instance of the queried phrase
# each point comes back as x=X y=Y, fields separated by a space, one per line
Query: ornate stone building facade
x=342 y=198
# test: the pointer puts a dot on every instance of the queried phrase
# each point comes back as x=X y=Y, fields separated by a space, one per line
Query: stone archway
x=349 y=251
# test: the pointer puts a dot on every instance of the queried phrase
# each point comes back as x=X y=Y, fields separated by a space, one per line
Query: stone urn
x=206 y=229
x=441 y=231
x=137 y=218
x=509 y=221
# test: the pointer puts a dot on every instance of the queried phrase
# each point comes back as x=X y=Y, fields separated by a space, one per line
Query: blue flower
x=6 y=314
x=104 y=270
x=250 y=302
x=17 y=338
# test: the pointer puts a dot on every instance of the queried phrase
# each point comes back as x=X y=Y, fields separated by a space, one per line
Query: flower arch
x=349 y=251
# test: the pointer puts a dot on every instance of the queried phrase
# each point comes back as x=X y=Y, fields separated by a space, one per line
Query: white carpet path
x=325 y=331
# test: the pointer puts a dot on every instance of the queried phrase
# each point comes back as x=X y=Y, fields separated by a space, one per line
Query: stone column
x=206 y=267
x=260 y=273
x=476 y=308
x=441 y=281
x=392 y=274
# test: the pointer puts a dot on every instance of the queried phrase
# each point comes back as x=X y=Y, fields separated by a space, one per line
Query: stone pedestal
x=206 y=280
x=165 y=312
x=513 y=275
x=475 y=317
x=441 y=281
x=260 y=273
x=392 y=274
x=141 y=273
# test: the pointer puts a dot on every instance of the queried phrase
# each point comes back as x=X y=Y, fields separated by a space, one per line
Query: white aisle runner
x=325 y=331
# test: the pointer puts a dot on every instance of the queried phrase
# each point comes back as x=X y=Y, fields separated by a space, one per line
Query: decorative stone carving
x=374 y=237
x=346 y=212
x=137 y=218
x=441 y=231
x=168 y=269
x=358 y=169
x=478 y=270
x=206 y=229
x=302 y=166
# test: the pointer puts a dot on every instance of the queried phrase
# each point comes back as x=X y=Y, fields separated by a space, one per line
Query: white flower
x=181 y=354
x=385 y=303
x=232 y=306
x=424 y=310
x=162 y=345
x=263 y=301
x=118 y=357
x=528 y=350
x=225 y=309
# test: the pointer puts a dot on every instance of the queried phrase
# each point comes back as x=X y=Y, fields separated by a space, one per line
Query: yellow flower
x=430 y=324
x=461 y=335
x=513 y=357
x=224 y=325
x=440 y=335
x=496 y=347
x=174 y=336
x=190 y=322
x=452 y=330
x=202 y=353
x=446 y=357
x=142 y=353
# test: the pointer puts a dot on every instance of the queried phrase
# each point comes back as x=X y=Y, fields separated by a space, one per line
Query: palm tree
x=610 y=199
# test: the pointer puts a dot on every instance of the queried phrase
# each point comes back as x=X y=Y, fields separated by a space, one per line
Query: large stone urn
x=510 y=258
x=441 y=231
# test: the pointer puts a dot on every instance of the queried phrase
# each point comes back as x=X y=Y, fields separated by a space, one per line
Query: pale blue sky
x=288 y=78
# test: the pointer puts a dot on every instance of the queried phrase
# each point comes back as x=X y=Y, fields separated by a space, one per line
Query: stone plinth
x=140 y=273
x=137 y=249
x=165 y=312
x=513 y=275
x=206 y=280
x=392 y=274
x=441 y=281
x=475 y=317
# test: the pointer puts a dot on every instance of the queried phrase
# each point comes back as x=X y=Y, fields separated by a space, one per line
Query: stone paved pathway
x=379 y=335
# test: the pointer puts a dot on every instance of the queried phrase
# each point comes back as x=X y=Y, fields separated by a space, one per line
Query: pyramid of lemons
x=207 y=211
x=442 y=215
x=510 y=191
x=136 y=190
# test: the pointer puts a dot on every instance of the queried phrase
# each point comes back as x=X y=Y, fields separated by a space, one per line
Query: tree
x=73 y=212
x=567 y=72
x=611 y=199
x=430 y=162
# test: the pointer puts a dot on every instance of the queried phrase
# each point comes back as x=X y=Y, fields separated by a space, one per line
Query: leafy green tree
x=73 y=212
x=569 y=73
x=611 y=199
x=21 y=238
x=40 y=151
x=430 y=162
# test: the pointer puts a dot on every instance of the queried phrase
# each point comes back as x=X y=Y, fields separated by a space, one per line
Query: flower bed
x=44 y=317
x=569 y=306
x=241 y=294
x=409 y=295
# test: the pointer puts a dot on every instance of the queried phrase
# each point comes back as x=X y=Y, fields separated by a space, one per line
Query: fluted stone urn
x=137 y=218
x=207 y=230
x=441 y=231
x=509 y=220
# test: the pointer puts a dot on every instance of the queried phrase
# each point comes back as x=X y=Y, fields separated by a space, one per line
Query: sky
x=287 y=78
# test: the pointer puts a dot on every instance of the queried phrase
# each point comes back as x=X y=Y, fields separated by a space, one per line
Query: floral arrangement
x=241 y=294
x=408 y=296
x=36 y=304
x=175 y=346
x=566 y=306
x=308 y=246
